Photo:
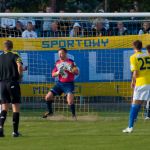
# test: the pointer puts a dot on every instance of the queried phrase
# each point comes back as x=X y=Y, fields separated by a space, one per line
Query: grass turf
x=101 y=134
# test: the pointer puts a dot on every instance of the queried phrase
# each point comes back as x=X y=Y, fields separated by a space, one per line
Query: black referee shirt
x=8 y=66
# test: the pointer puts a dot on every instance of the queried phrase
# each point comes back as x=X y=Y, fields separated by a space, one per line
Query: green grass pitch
x=103 y=133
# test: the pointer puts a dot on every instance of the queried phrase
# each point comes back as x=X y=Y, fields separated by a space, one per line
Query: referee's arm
x=19 y=65
x=20 y=68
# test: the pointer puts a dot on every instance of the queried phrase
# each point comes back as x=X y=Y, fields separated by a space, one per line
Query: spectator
x=120 y=29
x=76 y=31
x=98 y=28
x=49 y=9
x=53 y=32
x=6 y=25
x=8 y=22
x=17 y=31
x=105 y=20
x=62 y=11
x=133 y=10
x=7 y=10
x=24 y=22
x=145 y=29
x=4 y=32
x=79 y=11
x=47 y=22
x=64 y=28
x=29 y=33
x=39 y=23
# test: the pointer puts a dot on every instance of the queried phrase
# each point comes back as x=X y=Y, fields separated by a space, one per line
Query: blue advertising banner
x=94 y=65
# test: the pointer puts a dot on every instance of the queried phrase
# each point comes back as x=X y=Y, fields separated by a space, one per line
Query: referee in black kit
x=10 y=73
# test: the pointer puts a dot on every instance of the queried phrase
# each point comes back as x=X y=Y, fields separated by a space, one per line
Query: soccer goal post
x=99 y=43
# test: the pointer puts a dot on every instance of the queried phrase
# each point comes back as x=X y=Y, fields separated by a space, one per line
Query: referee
x=10 y=73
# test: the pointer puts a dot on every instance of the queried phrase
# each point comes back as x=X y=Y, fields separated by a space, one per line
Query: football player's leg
x=147 y=110
x=15 y=119
x=3 y=116
x=69 y=90
x=134 y=110
x=16 y=100
x=49 y=99
x=5 y=100
x=56 y=90
x=70 y=100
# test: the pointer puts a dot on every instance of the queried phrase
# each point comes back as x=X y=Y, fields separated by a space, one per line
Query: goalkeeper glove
x=68 y=68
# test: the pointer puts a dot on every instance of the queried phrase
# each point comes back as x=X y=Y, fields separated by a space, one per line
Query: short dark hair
x=64 y=49
x=148 y=48
x=29 y=22
x=8 y=44
x=137 y=44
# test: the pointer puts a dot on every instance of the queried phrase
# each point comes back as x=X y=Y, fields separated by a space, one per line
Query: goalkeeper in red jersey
x=66 y=70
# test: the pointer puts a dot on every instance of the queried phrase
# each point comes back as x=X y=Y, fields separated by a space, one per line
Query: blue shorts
x=60 y=88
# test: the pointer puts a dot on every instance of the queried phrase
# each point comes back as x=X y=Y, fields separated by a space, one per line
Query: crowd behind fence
x=72 y=27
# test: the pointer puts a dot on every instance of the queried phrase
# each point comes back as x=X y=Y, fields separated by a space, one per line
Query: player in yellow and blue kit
x=140 y=67
x=147 y=112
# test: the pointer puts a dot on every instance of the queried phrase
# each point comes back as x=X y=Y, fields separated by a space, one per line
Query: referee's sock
x=135 y=108
x=49 y=107
x=16 y=121
x=72 y=108
x=3 y=118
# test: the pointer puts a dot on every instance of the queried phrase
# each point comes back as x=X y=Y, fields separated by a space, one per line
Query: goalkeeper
x=65 y=69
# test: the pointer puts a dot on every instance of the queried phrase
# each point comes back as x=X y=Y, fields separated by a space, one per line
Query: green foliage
x=84 y=5
x=126 y=5
x=26 y=5
x=73 y=5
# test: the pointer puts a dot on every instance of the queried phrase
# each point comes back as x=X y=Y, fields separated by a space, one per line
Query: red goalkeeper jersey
x=64 y=66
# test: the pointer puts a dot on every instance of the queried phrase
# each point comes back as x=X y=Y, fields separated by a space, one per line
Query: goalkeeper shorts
x=60 y=87
x=142 y=93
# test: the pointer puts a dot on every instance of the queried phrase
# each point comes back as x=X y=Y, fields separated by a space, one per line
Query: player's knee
x=49 y=96
x=16 y=107
x=137 y=102
x=70 y=100
x=4 y=113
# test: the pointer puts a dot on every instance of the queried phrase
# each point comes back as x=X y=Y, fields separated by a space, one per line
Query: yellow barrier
x=108 y=42
x=82 y=89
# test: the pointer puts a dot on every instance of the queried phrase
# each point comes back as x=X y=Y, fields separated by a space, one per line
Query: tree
x=84 y=5
x=73 y=5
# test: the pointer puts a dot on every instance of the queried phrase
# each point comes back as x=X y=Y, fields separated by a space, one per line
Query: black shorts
x=10 y=92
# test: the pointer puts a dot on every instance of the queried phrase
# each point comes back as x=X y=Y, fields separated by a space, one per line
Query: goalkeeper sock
x=3 y=118
x=133 y=114
x=16 y=121
x=49 y=106
x=72 y=108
